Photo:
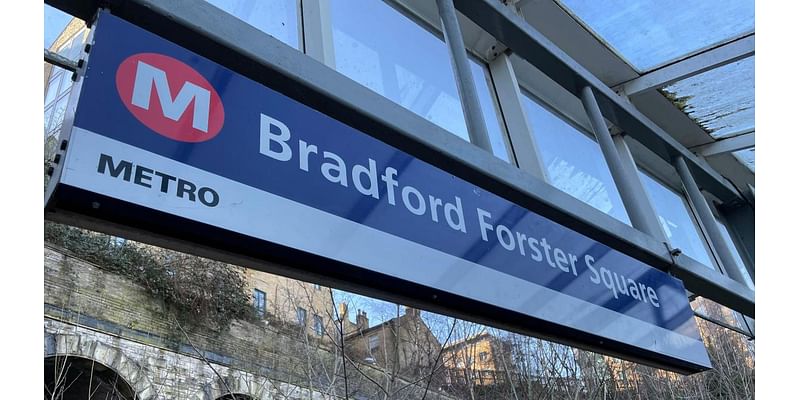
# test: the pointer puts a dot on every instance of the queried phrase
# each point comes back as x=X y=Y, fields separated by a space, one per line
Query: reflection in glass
x=380 y=48
x=480 y=74
x=675 y=217
x=52 y=87
x=573 y=161
x=726 y=235
x=649 y=33
x=277 y=18
x=48 y=113
x=66 y=81
x=58 y=114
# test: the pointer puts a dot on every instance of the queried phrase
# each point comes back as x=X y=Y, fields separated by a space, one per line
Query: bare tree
x=424 y=355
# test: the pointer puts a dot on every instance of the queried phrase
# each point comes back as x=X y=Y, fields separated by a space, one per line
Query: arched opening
x=235 y=396
x=73 y=378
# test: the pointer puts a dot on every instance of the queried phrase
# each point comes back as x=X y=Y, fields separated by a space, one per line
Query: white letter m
x=147 y=75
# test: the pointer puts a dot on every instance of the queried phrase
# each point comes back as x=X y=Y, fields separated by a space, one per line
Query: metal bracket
x=673 y=254
x=60 y=61
x=615 y=130
x=488 y=47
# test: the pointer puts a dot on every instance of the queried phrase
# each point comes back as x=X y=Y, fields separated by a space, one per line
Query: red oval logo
x=170 y=97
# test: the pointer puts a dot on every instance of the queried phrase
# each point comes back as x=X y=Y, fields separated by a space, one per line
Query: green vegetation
x=198 y=291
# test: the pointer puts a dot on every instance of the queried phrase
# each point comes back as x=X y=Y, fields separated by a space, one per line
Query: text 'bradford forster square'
x=276 y=142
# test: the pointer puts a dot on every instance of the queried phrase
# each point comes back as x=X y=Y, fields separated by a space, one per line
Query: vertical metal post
x=476 y=126
x=707 y=220
x=318 y=31
x=629 y=166
x=526 y=151
x=630 y=187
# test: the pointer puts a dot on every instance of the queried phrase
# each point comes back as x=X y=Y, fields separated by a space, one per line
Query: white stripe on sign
x=263 y=215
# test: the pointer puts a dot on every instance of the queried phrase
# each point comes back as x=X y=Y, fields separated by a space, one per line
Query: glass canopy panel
x=650 y=33
x=721 y=100
x=747 y=157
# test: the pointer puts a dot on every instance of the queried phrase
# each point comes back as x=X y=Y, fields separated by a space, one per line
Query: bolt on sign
x=170 y=144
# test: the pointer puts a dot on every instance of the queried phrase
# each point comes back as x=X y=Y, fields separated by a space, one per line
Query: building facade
x=292 y=302
x=482 y=359
x=404 y=345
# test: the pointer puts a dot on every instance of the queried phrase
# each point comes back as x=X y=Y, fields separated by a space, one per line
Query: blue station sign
x=165 y=131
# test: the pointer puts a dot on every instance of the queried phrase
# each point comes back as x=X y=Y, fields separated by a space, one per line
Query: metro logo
x=170 y=97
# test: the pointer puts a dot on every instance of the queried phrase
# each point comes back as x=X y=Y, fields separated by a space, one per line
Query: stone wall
x=96 y=314
x=158 y=373
x=84 y=302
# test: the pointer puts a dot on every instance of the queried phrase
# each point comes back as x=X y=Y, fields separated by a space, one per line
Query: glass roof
x=721 y=100
x=747 y=157
x=650 y=33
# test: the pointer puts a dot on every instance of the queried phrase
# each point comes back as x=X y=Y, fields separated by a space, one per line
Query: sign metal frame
x=86 y=208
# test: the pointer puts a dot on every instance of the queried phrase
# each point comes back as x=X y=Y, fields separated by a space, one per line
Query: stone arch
x=243 y=385
x=235 y=396
x=110 y=357
x=76 y=377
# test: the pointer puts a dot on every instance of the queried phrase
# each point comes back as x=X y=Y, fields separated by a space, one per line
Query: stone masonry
x=102 y=316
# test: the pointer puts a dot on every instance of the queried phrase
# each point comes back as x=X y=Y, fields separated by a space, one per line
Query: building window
x=279 y=18
x=56 y=115
x=373 y=343
x=379 y=47
x=317 y=287
x=55 y=99
x=483 y=356
x=676 y=220
x=259 y=302
x=489 y=108
x=58 y=89
x=726 y=235
x=59 y=85
x=59 y=82
x=573 y=161
x=301 y=316
x=318 y=327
